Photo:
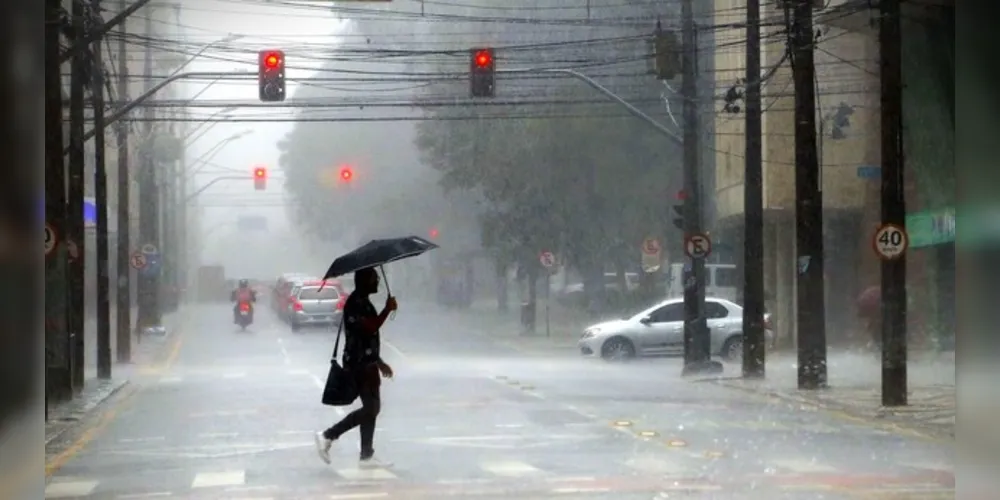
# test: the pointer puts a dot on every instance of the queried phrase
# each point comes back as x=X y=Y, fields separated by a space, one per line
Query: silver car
x=313 y=306
x=659 y=331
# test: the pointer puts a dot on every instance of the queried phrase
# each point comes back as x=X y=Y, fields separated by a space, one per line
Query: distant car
x=282 y=290
x=659 y=331
x=315 y=304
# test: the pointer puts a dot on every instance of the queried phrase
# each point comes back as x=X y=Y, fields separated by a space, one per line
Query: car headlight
x=590 y=332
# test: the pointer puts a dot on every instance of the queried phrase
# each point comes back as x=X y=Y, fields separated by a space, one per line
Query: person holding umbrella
x=363 y=363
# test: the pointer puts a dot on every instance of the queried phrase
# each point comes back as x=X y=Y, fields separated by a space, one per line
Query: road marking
x=366 y=474
x=691 y=487
x=234 y=375
x=70 y=489
x=142 y=440
x=564 y=491
x=170 y=380
x=215 y=479
x=509 y=426
x=56 y=463
x=805 y=466
x=510 y=469
x=213 y=435
x=155 y=494
x=351 y=496
x=284 y=352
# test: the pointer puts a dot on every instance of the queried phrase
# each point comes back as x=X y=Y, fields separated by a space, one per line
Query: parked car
x=316 y=304
x=659 y=331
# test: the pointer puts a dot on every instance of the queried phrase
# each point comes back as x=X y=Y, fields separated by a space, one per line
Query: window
x=328 y=293
x=668 y=313
x=715 y=310
x=726 y=277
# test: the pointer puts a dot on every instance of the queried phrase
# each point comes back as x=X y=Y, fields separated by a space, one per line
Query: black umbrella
x=378 y=253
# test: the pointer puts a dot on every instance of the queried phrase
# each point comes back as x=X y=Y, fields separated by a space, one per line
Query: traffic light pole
x=101 y=197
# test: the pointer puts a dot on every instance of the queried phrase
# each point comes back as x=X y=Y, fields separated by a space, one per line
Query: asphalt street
x=233 y=416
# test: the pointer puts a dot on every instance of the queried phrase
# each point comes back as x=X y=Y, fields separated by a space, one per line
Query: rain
x=572 y=296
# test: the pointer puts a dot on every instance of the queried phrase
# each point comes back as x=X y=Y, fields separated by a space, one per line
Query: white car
x=659 y=331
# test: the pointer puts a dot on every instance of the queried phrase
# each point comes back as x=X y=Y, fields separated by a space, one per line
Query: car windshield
x=314 y=293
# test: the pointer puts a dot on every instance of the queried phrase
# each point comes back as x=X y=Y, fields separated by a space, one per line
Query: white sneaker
x=323 y=447
x=373 y=463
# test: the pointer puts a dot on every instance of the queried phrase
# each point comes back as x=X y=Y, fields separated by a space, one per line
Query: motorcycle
x=245 y=316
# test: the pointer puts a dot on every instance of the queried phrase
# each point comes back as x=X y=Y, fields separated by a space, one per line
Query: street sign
x=651 y=246
x=869 y=172
x=548 y=259
x=698 y=246
x=890 y=241
x=152 y=267
x=50 y=239
x=138 y=260
x=150 y=249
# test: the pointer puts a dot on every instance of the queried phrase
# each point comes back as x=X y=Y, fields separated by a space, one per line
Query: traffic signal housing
x=271 y=75
x=260 y=178
x=482 y=72
x=666 y=55
x=679 y=211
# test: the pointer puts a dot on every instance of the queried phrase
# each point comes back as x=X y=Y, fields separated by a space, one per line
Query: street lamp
x=214 y=150
x=202 y=124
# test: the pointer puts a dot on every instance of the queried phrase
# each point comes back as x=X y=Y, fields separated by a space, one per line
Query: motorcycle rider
x=243 y=295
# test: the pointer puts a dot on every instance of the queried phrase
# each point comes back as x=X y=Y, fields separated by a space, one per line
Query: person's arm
x=372 y=324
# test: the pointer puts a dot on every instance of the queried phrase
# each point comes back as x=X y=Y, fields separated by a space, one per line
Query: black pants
x=369 y=382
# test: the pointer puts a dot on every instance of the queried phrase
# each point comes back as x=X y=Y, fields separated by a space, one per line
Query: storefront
x=931 y=280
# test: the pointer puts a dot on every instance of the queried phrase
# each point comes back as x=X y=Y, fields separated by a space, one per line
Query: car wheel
x=732 y=350
x=617 y=349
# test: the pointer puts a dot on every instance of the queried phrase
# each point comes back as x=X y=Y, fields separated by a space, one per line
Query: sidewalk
x=147 y=351
x=855 y=390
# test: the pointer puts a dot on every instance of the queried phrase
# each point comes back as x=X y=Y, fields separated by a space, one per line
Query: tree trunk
x=503 y=296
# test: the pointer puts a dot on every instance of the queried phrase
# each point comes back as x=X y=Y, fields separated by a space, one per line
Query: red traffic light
x=681 y=195
x=260 y=172
x=433 y=232
x=483 y=58
x=346 y=174
x=272 y=60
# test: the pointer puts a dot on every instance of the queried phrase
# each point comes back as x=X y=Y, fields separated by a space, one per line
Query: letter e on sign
x=890 y=242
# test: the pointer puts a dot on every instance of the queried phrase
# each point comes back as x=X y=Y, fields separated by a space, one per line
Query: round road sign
x=698 y=246
x=890 y=241
x=50 y=239
x=138 y=260
x=548 y=259
x=651 y=246
x=149 y=249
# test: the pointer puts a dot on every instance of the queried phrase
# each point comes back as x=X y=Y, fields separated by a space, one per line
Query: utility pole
x=123 y=322
x=149 y=206
x=58 y=364
x=893 y=207
x=101 y=202
x=74 y=234
x=811 y=313
x=753 y=207
x=697 y=347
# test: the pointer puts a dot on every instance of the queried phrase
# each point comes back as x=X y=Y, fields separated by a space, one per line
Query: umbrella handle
x=388 y=292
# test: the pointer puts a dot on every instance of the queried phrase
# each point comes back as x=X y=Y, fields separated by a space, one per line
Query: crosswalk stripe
x=70 y=489
x=216 y=479
x=510 y=469
x=803 y=466
x=366 y=474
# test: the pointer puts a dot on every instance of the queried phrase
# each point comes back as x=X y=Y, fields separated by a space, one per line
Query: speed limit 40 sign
x=890 y=241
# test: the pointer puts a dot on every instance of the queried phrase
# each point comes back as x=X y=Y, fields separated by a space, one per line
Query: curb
x=845 y=412
x=72 y=417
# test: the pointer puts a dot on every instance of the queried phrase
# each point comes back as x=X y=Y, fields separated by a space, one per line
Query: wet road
x=233 y=414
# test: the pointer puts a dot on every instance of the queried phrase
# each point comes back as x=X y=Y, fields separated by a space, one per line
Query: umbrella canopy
x=378 y=253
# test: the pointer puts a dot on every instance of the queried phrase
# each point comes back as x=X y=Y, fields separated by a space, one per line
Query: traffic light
x=260 y=178
x=666 y=55
x=433 y=233
x=679 y=211
x=482 y=72
x=346 y=174
x=271 y=75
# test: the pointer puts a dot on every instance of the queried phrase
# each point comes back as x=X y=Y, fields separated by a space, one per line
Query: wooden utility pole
x=149 y=204
x=123 y=308
x=58 y=364
x=754 y=340
x=101 y=202
x=894 y=341
x=811 y=313
x=80 y=67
